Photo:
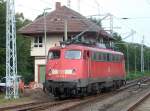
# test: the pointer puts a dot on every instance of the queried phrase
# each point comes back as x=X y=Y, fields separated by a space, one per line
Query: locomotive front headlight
x=54 y=71
x=69 y=71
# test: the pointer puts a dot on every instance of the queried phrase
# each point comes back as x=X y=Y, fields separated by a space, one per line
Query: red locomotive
x=79 y=70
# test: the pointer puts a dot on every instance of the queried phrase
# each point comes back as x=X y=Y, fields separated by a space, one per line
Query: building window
x=38 y=41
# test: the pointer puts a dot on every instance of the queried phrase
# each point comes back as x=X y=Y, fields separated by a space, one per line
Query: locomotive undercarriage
x=71 y=89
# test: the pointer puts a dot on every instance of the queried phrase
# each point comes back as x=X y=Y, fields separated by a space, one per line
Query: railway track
x=49 y=105
x=34 y=106
x=139 y=102
x=22 y=105
x=129 y=85
x=54 y=105
x=67 y=105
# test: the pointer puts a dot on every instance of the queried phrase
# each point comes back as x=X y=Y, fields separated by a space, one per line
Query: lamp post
x=66 y=29
x=135 y=61
x=127 y=58
x=142 y=56
x=45 y=33
x=45 y=36
x=148 y=61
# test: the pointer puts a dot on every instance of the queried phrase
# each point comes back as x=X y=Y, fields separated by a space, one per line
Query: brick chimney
x=58 y=5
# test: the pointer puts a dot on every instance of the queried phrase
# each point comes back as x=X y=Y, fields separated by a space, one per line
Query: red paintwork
x=97 y=69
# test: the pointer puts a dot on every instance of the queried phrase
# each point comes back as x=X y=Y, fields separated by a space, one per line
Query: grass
x=132 y=75
x=4 y=101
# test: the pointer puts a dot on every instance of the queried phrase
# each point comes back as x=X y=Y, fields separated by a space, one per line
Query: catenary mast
x=11 y=56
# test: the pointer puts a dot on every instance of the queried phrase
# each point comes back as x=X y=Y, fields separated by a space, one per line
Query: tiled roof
x=55 y=23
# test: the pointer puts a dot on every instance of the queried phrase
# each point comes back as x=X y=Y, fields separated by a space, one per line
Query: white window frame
x=37 y=43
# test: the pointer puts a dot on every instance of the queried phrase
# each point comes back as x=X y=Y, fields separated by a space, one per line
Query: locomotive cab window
x=54 y=54
x=116 y=58
x=73 y=54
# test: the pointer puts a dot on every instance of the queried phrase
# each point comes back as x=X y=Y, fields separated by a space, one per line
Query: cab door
x=87 y=68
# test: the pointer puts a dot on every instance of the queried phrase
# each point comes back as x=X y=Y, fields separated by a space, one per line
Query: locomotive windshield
x=54 y=54
x=73 y=54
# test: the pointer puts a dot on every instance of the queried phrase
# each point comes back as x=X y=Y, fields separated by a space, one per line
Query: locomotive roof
x=82 y=47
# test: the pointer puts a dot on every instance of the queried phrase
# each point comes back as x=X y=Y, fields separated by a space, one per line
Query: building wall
x=51 y=41
x=39 y=52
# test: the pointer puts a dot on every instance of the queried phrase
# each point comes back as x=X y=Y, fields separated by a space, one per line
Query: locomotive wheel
x=99 y=90
x=61 y=97
x=114 y=87
x=82 y=92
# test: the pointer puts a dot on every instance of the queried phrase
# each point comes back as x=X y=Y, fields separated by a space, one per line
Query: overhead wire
x=123 y=22
x=128 y=26
x=137 y=32
x=132 y=18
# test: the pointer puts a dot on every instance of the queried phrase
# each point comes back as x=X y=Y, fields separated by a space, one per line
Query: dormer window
x=38 y=41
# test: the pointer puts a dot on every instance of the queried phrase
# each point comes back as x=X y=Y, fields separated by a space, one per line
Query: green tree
x=134 y=53
x=24 y=60
x=2 y=37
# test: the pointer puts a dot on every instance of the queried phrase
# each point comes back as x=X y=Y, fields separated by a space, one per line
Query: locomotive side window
x=105 y=56
x=116 y=58
x=101 y=56
x=73 y=54
x=54 y=54
x=95 y=56
x=113 y=58
x=108 y=57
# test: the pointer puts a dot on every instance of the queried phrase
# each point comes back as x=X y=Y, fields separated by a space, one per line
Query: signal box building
x=55 y=23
